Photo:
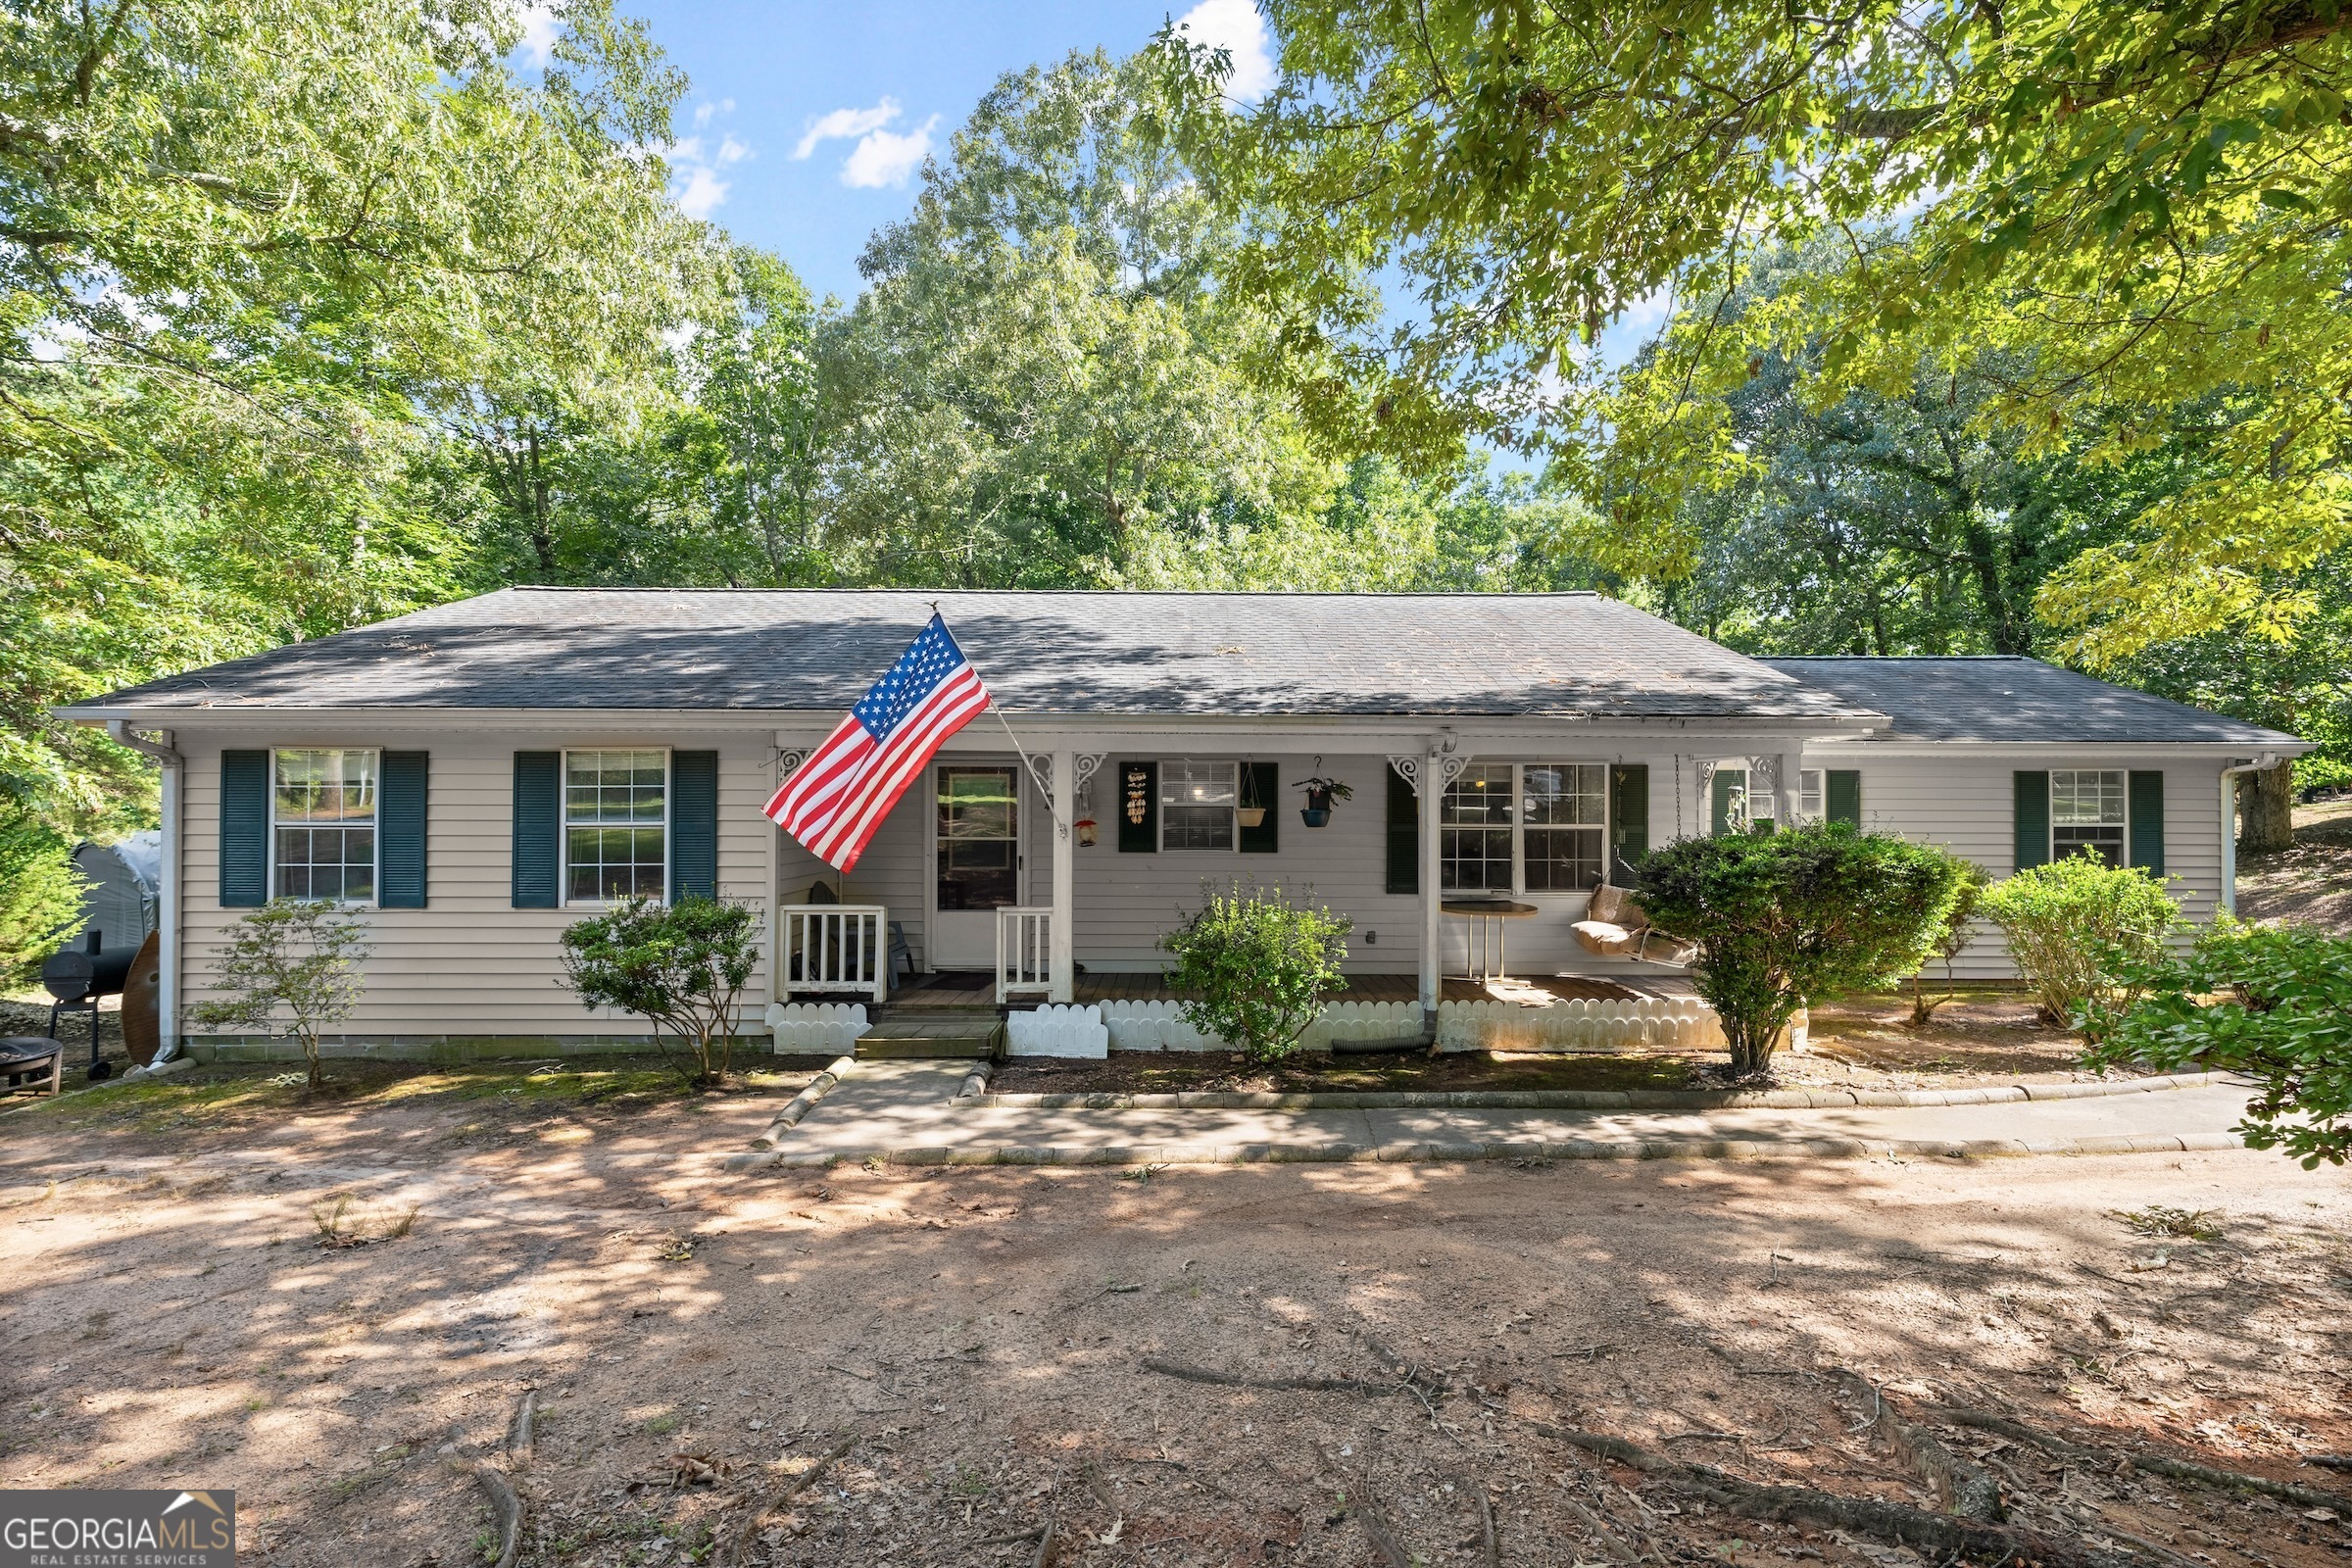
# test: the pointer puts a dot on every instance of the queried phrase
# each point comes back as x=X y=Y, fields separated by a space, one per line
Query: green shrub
x=680 y=967
x=40 y=895
x=2285 y=1020
x=2074 y=927
x=1261 y=967
x=2318 y=771
x=300 y=957
x=1779 y=917
x=1968 y=900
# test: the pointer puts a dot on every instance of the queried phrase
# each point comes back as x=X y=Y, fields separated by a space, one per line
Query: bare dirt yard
x=225 y=1283
x=2310 y=884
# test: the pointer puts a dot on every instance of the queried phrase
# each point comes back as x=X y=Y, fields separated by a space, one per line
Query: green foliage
x=2272 y=1002
x=1260 y=966
x=301 y=958
x=680 y=967
x=40 y=893
x=2078 y=928
x=2127 y=209
x=1951 y=937
x=1776 y=919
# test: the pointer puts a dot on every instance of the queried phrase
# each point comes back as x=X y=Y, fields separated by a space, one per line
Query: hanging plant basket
x=1320 y=793
x=1251 y=812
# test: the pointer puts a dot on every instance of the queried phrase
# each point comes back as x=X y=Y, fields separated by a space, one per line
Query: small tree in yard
x=1780 y=918
x=680 y=967
x=2074 y=927
x=1260 y=966
x=2272 y=1002
x=1949 y=940
x=301 y=958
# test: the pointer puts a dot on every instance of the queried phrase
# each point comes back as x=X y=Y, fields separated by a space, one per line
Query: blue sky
x=807 y=123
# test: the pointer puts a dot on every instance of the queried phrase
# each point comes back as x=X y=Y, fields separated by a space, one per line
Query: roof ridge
x=1065 y=593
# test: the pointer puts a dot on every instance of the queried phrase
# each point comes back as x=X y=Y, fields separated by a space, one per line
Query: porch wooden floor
x=964 y=990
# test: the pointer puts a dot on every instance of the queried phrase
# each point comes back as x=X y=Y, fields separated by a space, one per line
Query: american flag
x=835 y=801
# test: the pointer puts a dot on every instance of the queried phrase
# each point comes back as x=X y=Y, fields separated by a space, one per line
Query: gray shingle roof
x=1074 y=653
x=2001 y=698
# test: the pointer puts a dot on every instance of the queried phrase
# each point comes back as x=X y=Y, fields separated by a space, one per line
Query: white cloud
x=704 y=194
x=846 y=125
x=539 y=31
x=700 y=163
x=1236 y=26
x=885 y=158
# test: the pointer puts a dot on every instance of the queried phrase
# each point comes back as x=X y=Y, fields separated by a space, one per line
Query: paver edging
x=1584 y=1098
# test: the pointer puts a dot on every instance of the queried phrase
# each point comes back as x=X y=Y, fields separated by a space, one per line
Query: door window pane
x=979 y=838
x=615 y=825
x=1196 y=801
x=322 y=804
x=1565 y=809
x=1474 y=830
x=2086 y=812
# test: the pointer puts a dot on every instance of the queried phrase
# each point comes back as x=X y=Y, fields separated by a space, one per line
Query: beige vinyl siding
x=1967 y=803
x=468 y=965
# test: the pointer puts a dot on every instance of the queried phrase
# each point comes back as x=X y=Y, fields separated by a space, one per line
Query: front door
x=978 y=859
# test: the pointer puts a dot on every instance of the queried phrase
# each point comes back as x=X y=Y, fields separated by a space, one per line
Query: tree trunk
x=2265 y=803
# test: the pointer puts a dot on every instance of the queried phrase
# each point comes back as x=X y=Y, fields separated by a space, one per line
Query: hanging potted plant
x=1253 y=811
x=1320 y=793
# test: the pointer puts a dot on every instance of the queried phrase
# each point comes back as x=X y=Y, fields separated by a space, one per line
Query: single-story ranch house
x=480 y=774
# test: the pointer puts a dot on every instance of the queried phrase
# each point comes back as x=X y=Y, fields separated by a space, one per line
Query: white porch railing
x=1024 y=951
x=833 y=947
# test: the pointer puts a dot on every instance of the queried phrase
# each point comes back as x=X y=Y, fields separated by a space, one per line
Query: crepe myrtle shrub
x=299 y=957
x=2271 y=1003
x=680 y=967
x=1259 y=966
x=2078 y=929
x=1775 y=918
x=1950 y=939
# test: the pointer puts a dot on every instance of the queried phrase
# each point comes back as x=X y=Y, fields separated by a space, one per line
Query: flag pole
x=1027 y=768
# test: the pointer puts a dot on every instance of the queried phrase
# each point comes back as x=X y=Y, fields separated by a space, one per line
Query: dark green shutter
x=1628 y=821
x=400 y=829
x=538 y=829
x=1138 y=808
x=1842 y=795
x=693 y=825
x=1404 y=836
x=1726 y=779
x=244 y=829
x=2033 y=820
x=2146 y=798
x=1261 y=785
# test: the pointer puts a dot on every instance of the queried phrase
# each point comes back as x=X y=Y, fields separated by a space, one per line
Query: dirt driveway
x=1405 y=1343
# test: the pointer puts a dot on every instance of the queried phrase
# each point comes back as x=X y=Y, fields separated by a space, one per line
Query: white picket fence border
x=1683 y=1023
x=1056 y=1030
x=816 y=1028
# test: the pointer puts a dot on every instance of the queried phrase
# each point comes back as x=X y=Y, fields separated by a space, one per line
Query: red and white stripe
x=836 y=801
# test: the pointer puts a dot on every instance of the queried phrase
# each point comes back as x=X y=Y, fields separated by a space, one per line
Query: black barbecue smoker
x=76 y=978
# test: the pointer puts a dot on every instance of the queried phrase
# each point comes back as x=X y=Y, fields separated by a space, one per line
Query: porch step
x=961 y=1038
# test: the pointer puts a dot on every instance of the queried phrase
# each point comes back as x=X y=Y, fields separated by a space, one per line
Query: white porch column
x=1431 y=788
x=1063 y=971
x=1785 y=786
x=167 y=916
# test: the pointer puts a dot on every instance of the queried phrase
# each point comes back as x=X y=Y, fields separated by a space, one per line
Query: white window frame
x=1516 y=797
x=375 y=826
x=1812 y=795
x=2123 y=824
x=1233 y=811
x=564 y=822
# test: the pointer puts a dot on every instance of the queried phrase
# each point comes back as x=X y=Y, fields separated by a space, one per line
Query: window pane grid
x=615 y=837
x=1197 y=803
x=2087 y=813
x=323 y=804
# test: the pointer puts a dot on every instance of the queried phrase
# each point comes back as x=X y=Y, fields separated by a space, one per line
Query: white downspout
x=2228 y=894
x=166 y=893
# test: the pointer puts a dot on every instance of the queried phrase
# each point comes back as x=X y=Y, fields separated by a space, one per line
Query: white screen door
x=977 y=863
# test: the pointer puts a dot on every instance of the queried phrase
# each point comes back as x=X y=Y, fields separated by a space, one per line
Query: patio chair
x=1614 y=926
x=900 y=952
x=31 y=1064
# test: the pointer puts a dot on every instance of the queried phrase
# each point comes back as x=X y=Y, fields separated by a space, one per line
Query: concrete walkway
x=906 y=1112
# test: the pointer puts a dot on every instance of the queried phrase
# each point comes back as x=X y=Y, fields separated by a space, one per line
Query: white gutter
x=2264 y=759
x=166 y=893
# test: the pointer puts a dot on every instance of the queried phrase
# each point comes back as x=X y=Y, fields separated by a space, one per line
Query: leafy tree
x=1777 y=918
x=2283 y=1018
x=2076 y=927
x=1260 y=967
x=40 y=893
x=301 y=958
x=2129 y=209
x=680 y=967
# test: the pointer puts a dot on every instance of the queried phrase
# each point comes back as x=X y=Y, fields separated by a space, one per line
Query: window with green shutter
x=2030 y=819
x=400 y=791
x=244 y=829
x=1843 y=796
x=2147 y=822
x=1403 y=836
x=693 y=825
x=1628 y=820
x=538 y=842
